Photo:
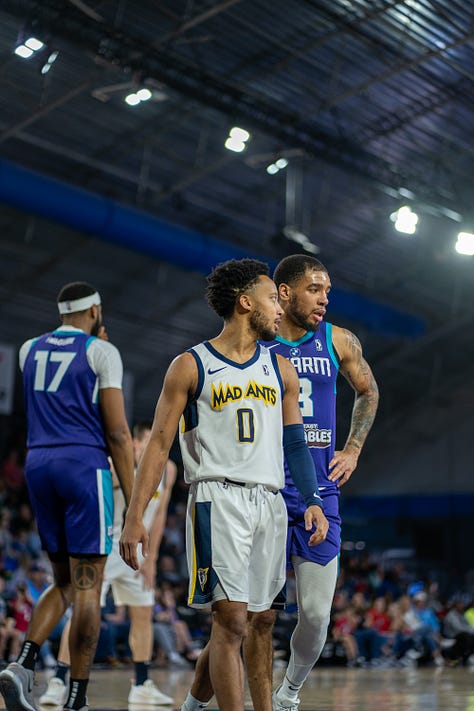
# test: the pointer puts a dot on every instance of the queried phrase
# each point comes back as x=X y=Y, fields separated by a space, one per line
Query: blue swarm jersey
x=61 y=392
x=317 y=366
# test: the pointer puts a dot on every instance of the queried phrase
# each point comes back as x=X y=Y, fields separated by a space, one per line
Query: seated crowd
x=380 y=616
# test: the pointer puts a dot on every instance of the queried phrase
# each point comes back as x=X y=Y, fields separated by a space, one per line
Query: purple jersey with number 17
x=317 y=366
x=61 y=392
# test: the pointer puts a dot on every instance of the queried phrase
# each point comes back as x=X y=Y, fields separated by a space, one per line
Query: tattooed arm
x=357 y=372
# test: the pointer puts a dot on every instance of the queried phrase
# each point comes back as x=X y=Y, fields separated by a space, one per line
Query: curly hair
x=231 y=279
x=293 y=267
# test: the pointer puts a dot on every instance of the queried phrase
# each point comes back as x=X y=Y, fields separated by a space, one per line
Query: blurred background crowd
x=387 y=610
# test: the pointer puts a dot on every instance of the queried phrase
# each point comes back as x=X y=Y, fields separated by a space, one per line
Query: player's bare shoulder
x=348 y=346
x=183 y=372
x=354 y=367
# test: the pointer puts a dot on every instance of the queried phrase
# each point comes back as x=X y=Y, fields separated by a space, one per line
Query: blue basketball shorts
x=297 y=538
x=71 y=495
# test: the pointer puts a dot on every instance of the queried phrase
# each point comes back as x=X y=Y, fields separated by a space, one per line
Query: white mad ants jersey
x=233 y=426
x=148 y=515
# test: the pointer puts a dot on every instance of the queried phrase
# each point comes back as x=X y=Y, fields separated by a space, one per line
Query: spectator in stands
x=5 y=534
x=24 y=525
x=118 y=631
x=425 y=627
x=400 y=636
x=22 y=606
x=469 y=614
x=369 y=640
x=457 y=627
x=10 y=636
x=13 y=476
x=170 y=632
x=346 y=622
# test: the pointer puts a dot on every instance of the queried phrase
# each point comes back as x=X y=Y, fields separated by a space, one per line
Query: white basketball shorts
x=235 y=544
x=126 y=583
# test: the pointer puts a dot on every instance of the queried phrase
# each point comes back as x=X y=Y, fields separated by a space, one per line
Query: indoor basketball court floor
x=328 y=689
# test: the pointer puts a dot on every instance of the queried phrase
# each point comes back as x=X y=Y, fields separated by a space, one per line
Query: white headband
x=70 y=307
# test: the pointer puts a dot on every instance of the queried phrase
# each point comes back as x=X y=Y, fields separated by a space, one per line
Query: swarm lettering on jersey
x=316 y=437
x=312 y=364
x=224 y=393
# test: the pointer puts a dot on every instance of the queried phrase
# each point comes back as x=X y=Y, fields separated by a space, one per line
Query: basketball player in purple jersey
x=75 y=410
x=318 y=350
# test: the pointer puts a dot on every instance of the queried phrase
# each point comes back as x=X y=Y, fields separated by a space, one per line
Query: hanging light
x=49 y=62
x=27 y=48
x=237 y=139
x=405 y=220
x=138 y=97
x=275 y=167
x=465 y=244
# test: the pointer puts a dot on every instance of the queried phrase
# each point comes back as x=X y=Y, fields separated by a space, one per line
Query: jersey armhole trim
x=332 y=353
x=200 y=367
x=273 y=356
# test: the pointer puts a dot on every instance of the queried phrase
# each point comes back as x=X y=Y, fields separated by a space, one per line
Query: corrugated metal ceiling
x=370 y=102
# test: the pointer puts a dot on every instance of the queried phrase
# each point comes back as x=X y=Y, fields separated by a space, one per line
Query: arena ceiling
x=370 y=102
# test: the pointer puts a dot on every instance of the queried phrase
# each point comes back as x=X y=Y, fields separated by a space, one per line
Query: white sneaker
x=283 y=705
x=55 y=694
x=148 y=694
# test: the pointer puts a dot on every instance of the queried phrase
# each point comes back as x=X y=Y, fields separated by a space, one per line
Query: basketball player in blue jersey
x=75 y=411
x=237 y=403
x=318 y=350
x=137 y=592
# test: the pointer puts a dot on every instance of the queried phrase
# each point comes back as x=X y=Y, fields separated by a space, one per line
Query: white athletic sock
x=192 y=704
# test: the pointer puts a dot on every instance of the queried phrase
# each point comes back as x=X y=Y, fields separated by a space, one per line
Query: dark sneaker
x=16 y=687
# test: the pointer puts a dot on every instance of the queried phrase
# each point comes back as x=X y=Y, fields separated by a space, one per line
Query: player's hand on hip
x=314 y=516
x=133 y=534
x=343 y=464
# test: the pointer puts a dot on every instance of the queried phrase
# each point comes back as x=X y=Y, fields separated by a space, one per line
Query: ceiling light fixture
x=405 y=220
x=49 y=62
x=275 y=167
x=132 y=99
x=138 y=97
x=151 y=89
x=27 y=48
x=237 y=139
x=272 y=169
x=144 y=94
x=465 y=244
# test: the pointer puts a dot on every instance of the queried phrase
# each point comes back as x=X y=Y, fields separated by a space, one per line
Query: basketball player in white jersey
x=237 y=403
x=137 y=590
